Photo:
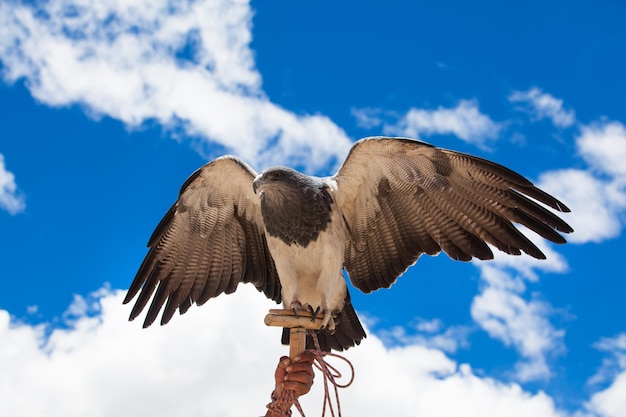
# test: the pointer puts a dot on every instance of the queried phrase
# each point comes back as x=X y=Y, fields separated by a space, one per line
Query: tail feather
x=348 y=331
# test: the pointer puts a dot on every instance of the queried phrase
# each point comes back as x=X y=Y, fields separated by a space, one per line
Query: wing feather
x=401 y=198
x=208 y=242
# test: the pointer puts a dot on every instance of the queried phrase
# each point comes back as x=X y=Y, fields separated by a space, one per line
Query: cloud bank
x=208 y=361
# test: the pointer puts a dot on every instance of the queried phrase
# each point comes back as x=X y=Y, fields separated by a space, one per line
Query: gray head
x=295 y=207
x=282 y=178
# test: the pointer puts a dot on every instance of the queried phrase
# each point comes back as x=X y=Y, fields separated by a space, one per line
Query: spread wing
x=209 y=241
x=401 y=198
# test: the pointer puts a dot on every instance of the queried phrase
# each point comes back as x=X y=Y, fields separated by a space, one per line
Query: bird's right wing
x=211 y=239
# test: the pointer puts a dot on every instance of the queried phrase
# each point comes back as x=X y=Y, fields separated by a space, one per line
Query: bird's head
x=295 y=207
x=277 y=178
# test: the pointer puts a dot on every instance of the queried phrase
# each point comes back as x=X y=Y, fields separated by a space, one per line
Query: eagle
x=292 y=235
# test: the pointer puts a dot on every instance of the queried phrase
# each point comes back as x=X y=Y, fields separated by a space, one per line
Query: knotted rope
x=281 y=405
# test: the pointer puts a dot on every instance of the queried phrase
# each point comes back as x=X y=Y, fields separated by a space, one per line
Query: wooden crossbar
x=297 y=326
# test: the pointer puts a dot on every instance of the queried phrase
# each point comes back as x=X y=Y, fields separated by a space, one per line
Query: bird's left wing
x=211 y=239
x=401 y=198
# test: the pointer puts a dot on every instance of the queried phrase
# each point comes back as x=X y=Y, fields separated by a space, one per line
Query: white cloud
x=615 y=347
x=595 y=210
x=428 y=333
x=187 y=65
x=105 y=366
x=11 y=199
x=464 y=121
x=205 y=362
x=611 y=401
x=505 y=315
x=367 y=118
x=429 y=326
x=603 y=146
x=544 y=106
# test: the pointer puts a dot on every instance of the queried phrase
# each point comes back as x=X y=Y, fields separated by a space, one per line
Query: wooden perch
x=297 y=327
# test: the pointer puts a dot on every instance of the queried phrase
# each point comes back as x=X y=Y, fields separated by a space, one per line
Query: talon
x=314 y=313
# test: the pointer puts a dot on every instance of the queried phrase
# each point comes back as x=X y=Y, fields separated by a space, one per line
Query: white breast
x=313 y=275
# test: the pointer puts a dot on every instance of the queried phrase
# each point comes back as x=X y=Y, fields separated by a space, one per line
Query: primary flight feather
x=292 y=235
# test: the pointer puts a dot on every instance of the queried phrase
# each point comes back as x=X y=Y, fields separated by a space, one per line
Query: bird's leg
x=295 y=307
x=328 y=322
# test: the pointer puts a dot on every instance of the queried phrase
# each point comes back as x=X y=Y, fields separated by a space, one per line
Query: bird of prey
x=293 y=235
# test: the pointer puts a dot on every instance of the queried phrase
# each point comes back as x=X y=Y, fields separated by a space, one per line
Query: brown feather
x=401 y=198
x=209 y=240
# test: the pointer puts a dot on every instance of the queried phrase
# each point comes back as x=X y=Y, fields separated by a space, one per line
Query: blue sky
x=107 y=106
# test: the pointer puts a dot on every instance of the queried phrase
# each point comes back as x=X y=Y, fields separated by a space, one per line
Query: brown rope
x=331 y=374
x=281 y=405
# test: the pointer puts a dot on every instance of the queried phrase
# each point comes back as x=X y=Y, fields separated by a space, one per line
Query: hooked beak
x=257 y=182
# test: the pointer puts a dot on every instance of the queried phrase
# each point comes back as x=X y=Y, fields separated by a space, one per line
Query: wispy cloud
x=465 y=121
x=615 y=348
x=368 y=117
x=503 y=312
x=542 y=105
x=611 y=401
x=203 y=363
x=187 y=66
x=11 y=199
x=429 y=333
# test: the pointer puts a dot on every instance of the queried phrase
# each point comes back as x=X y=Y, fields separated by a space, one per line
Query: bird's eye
x=277 y=174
